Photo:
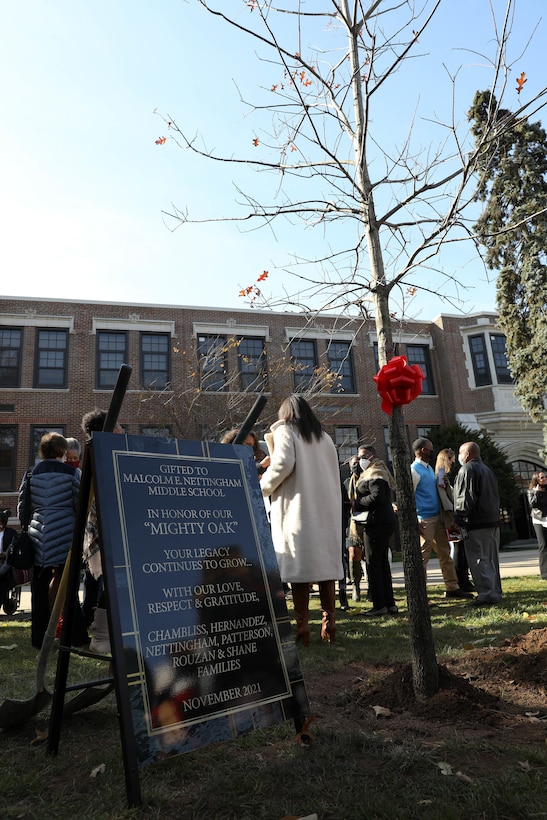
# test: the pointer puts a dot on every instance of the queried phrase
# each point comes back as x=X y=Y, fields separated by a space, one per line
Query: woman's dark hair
x=296 y=410
x=93 y=422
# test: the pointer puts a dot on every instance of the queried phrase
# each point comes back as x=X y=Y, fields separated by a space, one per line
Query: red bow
x=398 y=383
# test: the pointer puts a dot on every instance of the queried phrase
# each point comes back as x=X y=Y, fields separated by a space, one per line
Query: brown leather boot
x=301 y=601
x=327 y=595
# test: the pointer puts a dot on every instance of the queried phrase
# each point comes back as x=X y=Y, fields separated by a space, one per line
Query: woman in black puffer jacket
x=54 y=488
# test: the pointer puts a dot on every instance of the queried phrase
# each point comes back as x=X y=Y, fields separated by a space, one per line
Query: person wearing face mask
x=428 y=508
x=374 y=496
x=73 y=453
x=477 y=513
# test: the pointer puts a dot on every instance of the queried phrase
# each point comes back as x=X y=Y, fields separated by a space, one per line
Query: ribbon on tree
x=398 y=383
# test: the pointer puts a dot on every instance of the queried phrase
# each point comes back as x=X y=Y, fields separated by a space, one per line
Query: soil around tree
x=486 y=694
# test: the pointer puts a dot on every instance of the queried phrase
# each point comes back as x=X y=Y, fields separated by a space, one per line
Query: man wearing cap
x=432 y=531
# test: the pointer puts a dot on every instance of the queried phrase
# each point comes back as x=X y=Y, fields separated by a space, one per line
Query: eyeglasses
x=425 y=450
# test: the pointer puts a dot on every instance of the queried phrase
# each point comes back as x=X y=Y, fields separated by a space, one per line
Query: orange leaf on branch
x=520 y=82
x=161 y=140
x=255 y=141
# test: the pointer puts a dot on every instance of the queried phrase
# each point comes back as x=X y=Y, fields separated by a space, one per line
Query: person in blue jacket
x=54 y=488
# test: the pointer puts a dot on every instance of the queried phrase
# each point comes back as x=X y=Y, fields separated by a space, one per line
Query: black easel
x=128 y=678
x=92 y=691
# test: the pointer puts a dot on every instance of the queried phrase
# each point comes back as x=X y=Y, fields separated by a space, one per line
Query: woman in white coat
x=303 y=480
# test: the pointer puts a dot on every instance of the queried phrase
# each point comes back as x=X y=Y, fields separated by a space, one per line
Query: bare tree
x=210 y=387
x=400 y=205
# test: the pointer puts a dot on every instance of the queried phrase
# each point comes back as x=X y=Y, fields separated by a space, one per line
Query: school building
x=197 y=370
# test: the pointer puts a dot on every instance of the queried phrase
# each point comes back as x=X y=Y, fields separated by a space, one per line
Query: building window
x=251 y=356
x=8 y=448
x=341 y=362
x=499 y=352
x=387 y=445
x=11 y=342
x=212 y=362
x=377 y=357
x=155 y=361
x=425 y=432
x=111 y=354
x=419 y=354
x=346 y=440
x=304 y=362
x=36 y=432
x=523 y=472
x=479 y=359
x=51 y=358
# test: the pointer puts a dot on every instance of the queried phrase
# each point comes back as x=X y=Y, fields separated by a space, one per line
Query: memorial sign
x=201 y=630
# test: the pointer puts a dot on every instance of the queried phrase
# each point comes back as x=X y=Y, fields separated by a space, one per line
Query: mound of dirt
x=483 y=692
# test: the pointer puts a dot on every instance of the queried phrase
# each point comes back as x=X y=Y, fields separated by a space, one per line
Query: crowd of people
x=459 y=521
x=323 y=529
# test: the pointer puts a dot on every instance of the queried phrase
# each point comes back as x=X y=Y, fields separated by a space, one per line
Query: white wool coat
x=303 y=480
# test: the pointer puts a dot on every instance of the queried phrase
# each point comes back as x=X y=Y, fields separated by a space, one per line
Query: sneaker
x=457 y=593
x=376 y=612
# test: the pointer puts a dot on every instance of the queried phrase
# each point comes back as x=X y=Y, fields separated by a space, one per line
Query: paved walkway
x=512 y=564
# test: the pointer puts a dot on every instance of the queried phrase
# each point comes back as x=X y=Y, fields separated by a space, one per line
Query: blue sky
x=83 y=184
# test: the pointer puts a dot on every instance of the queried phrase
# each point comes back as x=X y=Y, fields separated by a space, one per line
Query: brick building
x=196 y=372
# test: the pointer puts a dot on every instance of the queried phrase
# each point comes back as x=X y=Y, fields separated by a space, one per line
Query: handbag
x=20 y=553
x=360 y=517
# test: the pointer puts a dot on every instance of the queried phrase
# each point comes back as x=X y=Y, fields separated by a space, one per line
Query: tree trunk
x=425 y=672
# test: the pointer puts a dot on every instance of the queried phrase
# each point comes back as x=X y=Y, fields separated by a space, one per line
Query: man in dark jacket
x=477 y=512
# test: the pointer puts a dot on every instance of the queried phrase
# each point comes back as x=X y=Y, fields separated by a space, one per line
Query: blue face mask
x=460 y=459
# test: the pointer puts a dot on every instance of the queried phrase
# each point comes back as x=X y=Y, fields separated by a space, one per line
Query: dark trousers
x=40 y=611
x=462 y=567
x=482 y=550
x=541 y=535
x=380 y=584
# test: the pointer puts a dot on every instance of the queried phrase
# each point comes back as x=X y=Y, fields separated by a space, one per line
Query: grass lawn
x=356 y=767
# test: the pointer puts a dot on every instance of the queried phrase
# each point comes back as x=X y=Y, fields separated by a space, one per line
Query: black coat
x=374 y=495
x=538 y=500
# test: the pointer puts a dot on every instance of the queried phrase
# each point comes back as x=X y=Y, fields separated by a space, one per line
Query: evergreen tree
x=513 y=229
